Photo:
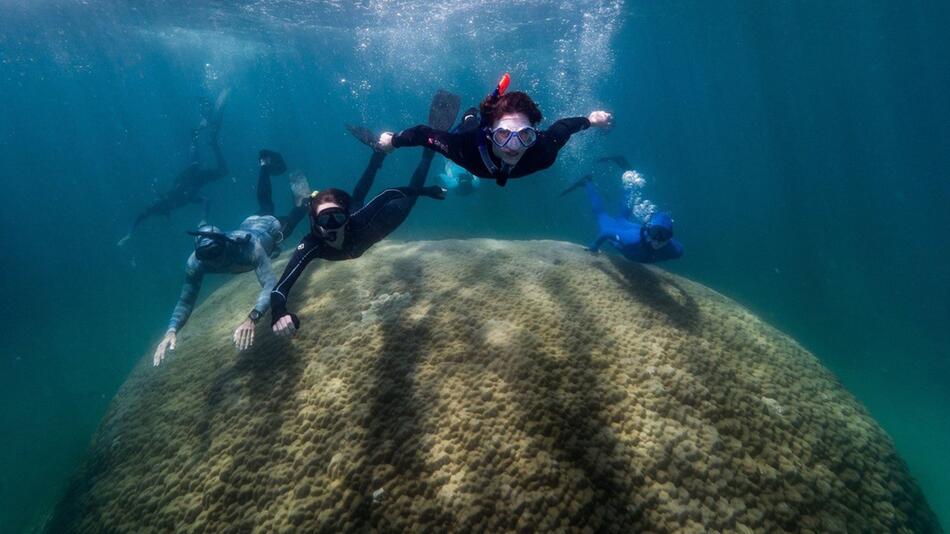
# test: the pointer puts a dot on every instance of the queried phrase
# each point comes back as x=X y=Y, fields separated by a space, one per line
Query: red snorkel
x=502 y=86
x=493 y=97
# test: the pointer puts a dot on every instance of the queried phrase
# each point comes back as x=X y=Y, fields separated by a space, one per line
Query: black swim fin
x=364 y=135
x=274 y=162
x=445 y=107
x=578 y=184
x=621 y=162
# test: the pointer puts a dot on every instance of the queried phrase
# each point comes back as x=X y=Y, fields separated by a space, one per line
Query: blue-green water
x=801 y=146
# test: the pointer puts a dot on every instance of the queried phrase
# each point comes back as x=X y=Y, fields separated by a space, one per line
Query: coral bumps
x=490 y=386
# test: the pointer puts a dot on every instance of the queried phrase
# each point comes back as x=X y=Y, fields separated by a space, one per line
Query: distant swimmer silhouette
x=187 y=187
x=458 y=180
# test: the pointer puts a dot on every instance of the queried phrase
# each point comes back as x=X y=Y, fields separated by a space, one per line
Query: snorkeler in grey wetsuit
x=188 y=183
x=248 y=248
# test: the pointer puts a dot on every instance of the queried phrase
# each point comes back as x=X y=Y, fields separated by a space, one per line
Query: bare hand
x=284 y=327
x=601 y=119
x=167 y=344
x=244 y=335
x=386 y=142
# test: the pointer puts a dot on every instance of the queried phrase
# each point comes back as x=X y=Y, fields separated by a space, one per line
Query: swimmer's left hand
x=286 y=326
x=244 y=335
x=601 y=119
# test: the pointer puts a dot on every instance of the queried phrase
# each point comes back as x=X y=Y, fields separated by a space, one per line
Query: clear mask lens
x=526 y=137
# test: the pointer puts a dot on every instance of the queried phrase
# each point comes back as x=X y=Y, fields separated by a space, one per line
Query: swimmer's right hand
x=286 y=326
x=167 y=344
x=386 y=142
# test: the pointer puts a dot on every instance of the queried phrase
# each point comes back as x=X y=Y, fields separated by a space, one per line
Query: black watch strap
x=255 y=315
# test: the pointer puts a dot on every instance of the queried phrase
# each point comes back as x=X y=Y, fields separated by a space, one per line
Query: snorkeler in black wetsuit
x=342 y=228
x=505 y=143
x=188 y=183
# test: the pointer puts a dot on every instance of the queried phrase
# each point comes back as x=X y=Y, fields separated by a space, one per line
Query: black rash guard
x=367 y=225
x=471 y=148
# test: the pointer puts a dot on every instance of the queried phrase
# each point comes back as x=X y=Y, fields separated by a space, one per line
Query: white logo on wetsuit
x=442 y=146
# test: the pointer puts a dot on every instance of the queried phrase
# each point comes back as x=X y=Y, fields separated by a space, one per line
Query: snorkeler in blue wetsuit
x=650 y=242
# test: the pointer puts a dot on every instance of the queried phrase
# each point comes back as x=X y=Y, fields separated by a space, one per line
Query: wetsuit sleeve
x=562 y=130
x=303 y=255
x=265 y=275
x=444 y=143
x=189 y=294
x=676 y=249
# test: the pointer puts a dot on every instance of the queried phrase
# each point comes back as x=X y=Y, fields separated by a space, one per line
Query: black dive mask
x=212 y=246
x=209 y=249
x=331 y=219
x=659 y=233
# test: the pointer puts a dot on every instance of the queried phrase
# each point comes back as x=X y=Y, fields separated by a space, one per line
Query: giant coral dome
x=490 y=386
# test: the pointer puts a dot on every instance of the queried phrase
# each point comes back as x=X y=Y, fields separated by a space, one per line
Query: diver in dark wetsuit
x=188 y=183
x=343 y=228
x=504 y=143
x=650 y=242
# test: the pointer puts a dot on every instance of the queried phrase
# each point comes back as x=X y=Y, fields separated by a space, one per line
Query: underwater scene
x=474 y=266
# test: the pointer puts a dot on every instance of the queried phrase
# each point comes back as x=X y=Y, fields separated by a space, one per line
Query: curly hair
x=514 y=102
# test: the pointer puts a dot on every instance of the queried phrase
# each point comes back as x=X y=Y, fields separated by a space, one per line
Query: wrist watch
x=255 y=315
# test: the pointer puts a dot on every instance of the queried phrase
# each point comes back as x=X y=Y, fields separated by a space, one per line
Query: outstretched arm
x=563 y=129
x=186 y=302
x=444 y=143
x=244 y=334
x=282 y=321
x=194 y=273
x=265 y=276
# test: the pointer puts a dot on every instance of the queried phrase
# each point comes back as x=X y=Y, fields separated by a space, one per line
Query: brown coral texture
x=490 y=386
